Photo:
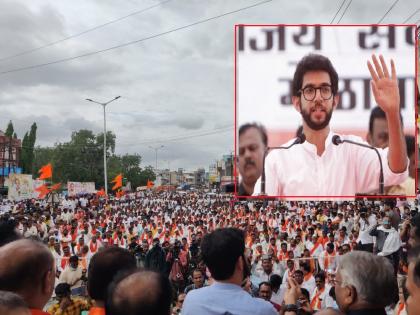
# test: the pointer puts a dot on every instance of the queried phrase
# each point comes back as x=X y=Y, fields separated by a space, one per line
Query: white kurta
x=342 y=170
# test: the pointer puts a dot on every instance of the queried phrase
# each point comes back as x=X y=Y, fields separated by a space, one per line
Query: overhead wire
x=344 y=12
x=134 y=41
x=29 y=51
x=387 y=12
x=413 y=14
x=342 y=3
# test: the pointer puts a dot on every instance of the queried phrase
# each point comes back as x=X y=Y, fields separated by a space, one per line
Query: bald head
x=142 y=292
x=27 y=268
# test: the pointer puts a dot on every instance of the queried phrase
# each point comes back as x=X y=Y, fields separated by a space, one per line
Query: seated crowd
x=172 y=253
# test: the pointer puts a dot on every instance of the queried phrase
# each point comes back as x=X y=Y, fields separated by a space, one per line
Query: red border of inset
x=416 y=40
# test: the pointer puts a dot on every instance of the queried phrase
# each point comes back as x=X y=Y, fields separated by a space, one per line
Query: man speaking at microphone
x=318 y=167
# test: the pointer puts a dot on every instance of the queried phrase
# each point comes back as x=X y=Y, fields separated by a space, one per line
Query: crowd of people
x=148 y=252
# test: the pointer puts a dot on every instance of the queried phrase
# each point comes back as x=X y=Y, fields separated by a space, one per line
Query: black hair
x=305 y=293
x=63 y=289
x=306 y=266
x=313 y=62
x=104 y=266
x=221 y=250
x=377 y=113
x=7 y=230
x=320 y=275
x=410 y=142
x=265 y=283
x=275 y=281
x=415 y=222
x=260 y=128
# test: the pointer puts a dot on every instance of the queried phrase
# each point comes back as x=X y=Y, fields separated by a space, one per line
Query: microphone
x=299 y=140
x=337 y=140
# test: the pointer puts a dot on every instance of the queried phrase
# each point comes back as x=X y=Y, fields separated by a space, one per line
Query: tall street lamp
x=105 y=168
x=156 y=150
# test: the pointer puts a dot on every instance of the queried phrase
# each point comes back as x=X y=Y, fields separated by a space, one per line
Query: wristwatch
x=291 y=308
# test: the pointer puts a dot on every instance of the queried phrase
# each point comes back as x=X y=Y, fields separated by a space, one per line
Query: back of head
x=7 y=231
x=12 y=303
x=275 y=281
x=23 y=264
x=221 y=250
x=104 y=266
x=369 y=275
x=141 y=292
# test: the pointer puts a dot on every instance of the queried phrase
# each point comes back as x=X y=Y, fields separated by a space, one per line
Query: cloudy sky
x=177 y=89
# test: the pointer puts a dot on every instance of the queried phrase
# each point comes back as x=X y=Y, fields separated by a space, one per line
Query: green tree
x=24 y=154
x=27 y=153
x=81 y=159
x=10 y=129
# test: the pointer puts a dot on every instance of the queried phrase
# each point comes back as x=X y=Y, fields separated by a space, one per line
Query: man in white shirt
x=311 y=168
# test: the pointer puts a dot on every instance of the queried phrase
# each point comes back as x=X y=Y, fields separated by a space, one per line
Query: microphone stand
x=337 y=140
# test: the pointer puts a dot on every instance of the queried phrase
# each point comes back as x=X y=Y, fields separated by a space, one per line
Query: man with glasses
x=318 y=167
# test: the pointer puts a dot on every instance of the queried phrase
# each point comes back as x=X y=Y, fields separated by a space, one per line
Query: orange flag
x=150 y=184
x=45 y=171
x=100 y=193
x=55 y=187
x=118 y=182
x=43 y=191
x=120 y=193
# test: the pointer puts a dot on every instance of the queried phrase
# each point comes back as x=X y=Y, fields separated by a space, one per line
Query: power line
x=336 y=13
x=407 y=19
x=345 y=10
x=389 y=10
x=134 y=41
x=26 y=52
x=147 y=141
x=186 y=137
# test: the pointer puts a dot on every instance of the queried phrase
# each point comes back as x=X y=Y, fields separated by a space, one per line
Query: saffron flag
x=43 y=191
x=150 y=184
x=120 y=193
x=45 y=171
x=55 y=186
x=101 y=193
x=118 y=182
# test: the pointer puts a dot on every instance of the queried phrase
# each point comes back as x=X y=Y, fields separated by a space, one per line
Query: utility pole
x=105 y=167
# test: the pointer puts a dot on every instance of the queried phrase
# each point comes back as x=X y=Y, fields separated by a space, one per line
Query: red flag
x=118 y=182
x=150 y=184
x=100 y=193
x=43 y=191
x=45 y=171
x=55 y=187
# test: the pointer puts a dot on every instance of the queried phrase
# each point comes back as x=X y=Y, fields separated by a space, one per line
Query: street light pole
x=105 y=166
x=156 y=150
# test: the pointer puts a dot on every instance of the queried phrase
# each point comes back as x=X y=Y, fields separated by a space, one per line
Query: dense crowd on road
x=287 y=245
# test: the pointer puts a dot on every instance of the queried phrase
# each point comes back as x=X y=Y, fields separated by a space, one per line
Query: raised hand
x=384 y=87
